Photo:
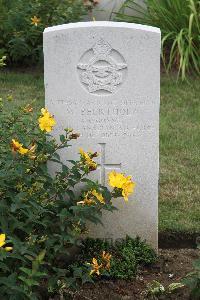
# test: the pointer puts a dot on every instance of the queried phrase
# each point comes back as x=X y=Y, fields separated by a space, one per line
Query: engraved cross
x=102 y=166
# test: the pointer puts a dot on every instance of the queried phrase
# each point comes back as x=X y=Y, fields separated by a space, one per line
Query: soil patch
x=172 y=265
x=175 y=240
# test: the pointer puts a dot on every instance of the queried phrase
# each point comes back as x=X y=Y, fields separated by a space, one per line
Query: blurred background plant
x=192 y=280
x=22 y=23
x=179 y=21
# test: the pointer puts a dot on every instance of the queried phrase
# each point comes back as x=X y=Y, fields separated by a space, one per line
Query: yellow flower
x=2 y=239
x=9 y=97
x=2 y=242
x=87 y=159
x=116 y=179
x=82 y=153
x=32 y=151
x=22 y=150
x=95 y=267
x=46 y=121
x=35 y=21
x=98 y=196
x=106 y=258
x=119 y=181
x=87 y=200
x=17 y=147
x=128 y=189
x=8 y=248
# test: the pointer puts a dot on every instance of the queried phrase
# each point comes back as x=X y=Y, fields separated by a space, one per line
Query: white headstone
x=106 y=10
x=103 y=79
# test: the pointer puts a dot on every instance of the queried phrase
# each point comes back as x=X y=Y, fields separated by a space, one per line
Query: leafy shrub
x=41 y=217
x=179 y=22
x=126 y=255
x=22 y=23
x=192 y=280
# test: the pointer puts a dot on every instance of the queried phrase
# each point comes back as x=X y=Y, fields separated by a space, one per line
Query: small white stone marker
x=106 y=10
x=103 y=80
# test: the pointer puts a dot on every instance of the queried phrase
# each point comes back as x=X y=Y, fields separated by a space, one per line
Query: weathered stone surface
x=103 y=79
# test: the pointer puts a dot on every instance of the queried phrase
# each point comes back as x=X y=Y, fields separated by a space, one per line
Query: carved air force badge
x=102 y=69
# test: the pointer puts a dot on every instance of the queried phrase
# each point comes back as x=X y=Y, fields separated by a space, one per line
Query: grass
x=179 y=208
x=179 y=201
x=24 y=87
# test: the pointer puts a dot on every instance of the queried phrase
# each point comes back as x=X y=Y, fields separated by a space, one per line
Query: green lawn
x=179 y=208
x=180 y=156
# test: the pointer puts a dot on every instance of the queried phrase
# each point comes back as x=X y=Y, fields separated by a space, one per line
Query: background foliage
x=179 y=21
x=20 y=39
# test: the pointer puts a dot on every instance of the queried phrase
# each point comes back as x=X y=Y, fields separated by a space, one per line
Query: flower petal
x=2 y=239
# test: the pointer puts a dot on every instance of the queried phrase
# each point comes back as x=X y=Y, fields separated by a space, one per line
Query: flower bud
x=68 y=130
x=95 y=154
x=74 y=136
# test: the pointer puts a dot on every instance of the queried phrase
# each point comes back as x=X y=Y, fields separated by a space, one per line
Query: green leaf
x=29 y=282
x=26 y=271
x=62 y=138
x=174 y=286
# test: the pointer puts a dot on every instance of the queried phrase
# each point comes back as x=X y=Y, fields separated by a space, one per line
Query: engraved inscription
x=106 y=119
x=102 y=69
